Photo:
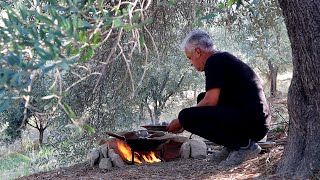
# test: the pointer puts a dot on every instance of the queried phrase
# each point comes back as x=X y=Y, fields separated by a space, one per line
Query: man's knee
x=185 y=117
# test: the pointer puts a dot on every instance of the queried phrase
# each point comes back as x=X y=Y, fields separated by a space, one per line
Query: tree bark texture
x=302 y=152
x=41 y=132
x=273 y=69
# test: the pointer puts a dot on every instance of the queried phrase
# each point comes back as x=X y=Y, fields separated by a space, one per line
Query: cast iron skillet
x=136 y=143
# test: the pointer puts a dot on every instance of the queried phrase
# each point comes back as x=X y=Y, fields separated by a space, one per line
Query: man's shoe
x=241 y=155
x=219 y=156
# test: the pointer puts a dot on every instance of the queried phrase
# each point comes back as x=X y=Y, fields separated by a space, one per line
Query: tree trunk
x=141 y=112
x=41 y=132
x=301 y=155
x=273 y=87
x=157 y=113
x=149 y=110
x=273 y=78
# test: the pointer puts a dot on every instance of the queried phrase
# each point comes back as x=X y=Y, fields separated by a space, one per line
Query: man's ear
x=198 y=51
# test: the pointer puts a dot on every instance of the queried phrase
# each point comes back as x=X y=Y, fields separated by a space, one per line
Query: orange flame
x=127 y=154
x=151 y=158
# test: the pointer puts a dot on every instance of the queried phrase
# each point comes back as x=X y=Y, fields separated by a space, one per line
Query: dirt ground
x=262 y=167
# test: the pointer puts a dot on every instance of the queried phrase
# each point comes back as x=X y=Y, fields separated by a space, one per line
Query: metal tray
x=155 y=127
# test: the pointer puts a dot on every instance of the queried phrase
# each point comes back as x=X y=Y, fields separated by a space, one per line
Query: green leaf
x=64 y=66
x=52 y=2
x=42 y=33
x=7 y=23
x=33 y=30
x=81 y=4
x=117 y=23
x=23 y=12
x=239 y=2
x=16 y=80
x=136 y=17
x=4 y=5
x=12 y=59
x=63 y=22
x=172 y=2
x=69 y=112
x=88 y=128
x=44 y=19
x=26 y=43
x=37 y=65
x=83 y=25
x=47 y=68
x=57 y=41
x=141 y=39
x=75 y=51
x=68 y=49
x=82 y=36
x=53 y=50
x=96 y=38
x=43 y=54
x=230 y=2
x=88 y=53
x=5 y=104
x=73 y=25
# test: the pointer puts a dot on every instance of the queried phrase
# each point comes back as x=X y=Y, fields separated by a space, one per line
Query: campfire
x=128 y=148
x=139 y=157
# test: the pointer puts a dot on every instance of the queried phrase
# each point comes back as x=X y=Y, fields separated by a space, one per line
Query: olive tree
x=301 y=156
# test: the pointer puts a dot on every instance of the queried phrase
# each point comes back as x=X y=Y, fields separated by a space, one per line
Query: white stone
x=105 y=163
x=100 y=153
x=198 y=148
x=104 y=150
x=93 y=156
x=111 y=153
x=117 y=160
x=185 y=150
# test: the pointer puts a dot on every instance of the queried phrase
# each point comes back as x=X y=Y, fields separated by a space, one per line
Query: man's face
x=194 y=58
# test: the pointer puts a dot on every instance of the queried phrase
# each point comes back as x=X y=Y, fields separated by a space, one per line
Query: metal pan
x=155 y=127
x=138 y=144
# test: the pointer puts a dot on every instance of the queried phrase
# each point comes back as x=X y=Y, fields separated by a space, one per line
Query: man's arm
x=211 y=98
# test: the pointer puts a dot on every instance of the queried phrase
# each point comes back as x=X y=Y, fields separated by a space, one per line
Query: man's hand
x=175 y=126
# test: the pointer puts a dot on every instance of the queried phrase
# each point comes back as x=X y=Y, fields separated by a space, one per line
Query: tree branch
x=32 y=125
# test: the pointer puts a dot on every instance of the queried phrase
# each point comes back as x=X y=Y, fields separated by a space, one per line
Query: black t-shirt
x=240 y=86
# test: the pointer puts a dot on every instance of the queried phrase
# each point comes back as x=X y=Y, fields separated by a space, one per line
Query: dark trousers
x=226 y=126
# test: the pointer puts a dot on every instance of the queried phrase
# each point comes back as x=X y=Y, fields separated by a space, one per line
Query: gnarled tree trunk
x=302 y=153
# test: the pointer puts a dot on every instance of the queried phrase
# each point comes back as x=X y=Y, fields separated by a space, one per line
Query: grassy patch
x=14 y=166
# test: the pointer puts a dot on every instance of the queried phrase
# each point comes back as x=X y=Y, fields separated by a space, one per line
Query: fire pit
x=150 y=147
x=139 y=141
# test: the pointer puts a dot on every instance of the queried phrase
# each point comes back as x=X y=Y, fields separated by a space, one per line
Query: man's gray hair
x=197 y=39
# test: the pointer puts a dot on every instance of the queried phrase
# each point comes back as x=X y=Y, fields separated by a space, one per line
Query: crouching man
x=233 y=112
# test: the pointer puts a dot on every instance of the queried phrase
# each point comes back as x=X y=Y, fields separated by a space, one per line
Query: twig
x=108 y=59
x=81 y=79
x=153 y=43
x=128 y=68
x=145 y=66
x=27 y=99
